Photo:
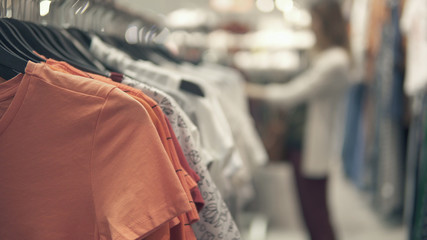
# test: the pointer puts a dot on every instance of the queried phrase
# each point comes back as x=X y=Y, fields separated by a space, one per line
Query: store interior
x=376 y=184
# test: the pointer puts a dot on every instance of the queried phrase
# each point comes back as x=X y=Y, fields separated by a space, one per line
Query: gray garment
x=205 y=112
x=215 y=221
x=388 y=165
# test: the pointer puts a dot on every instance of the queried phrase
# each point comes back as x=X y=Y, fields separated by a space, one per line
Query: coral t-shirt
x=80 y=159
x=158 y=119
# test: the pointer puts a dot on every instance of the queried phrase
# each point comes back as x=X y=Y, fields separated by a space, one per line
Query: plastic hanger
x=7 y=73
x=69 y=47
x=48 y=38
x=7 y=43
x=69 y=13
x=83 y=37
x=83 y=50
x=11 y=64
x=191 y=87
x=142 y=52
x=14 y=41
x=67 y=50
x=54 y=41
x=60 y=41
x=33 y=39
x=44 y=43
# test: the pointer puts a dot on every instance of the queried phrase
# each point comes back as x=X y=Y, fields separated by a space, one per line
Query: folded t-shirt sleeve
x=195 y=191
x=135 y=188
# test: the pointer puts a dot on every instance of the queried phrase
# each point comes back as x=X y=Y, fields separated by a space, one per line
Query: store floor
x=276 y=203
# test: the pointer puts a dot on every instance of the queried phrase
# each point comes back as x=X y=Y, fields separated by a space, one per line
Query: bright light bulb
x=223 y=4
x=285 y=5
x=44 y=7
x=265 y=5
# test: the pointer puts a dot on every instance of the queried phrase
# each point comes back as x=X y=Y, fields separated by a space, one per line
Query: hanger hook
x=7 y=9
x=1 y=9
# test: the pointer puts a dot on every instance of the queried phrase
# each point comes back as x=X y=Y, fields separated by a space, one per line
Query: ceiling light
x=265 y=5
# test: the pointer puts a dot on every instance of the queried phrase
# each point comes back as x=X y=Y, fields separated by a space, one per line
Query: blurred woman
x=323 y=87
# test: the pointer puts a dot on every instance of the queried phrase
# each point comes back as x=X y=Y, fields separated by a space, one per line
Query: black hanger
x=14 y=41
x=83 y=49
x=80 y=35
x=142 y=52
x=69 y=47
x=8 y=44
x=33 y=40
x=191 y=87
x=44 y=43
x=133 y=50
x=108 y=40
x=61 y=42
x=48 y=38
x=11 y=64
x=7 y=73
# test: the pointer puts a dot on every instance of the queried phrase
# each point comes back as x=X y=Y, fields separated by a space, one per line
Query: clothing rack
x=88 y=15
x=64 y=51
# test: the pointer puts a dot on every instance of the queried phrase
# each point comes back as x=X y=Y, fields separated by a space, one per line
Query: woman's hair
x=332 y=24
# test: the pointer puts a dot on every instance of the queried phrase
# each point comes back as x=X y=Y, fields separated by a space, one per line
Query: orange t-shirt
x=159 y=121
x=80 y=160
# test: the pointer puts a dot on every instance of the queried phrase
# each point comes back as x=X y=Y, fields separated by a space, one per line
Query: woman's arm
x=324 y=77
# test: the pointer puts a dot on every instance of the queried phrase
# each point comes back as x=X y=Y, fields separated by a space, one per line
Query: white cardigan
x=323 y=87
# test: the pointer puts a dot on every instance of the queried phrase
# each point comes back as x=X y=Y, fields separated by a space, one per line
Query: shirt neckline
x=17 y=86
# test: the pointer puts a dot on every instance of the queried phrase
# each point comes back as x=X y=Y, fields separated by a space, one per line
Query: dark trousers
x=312 y=195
